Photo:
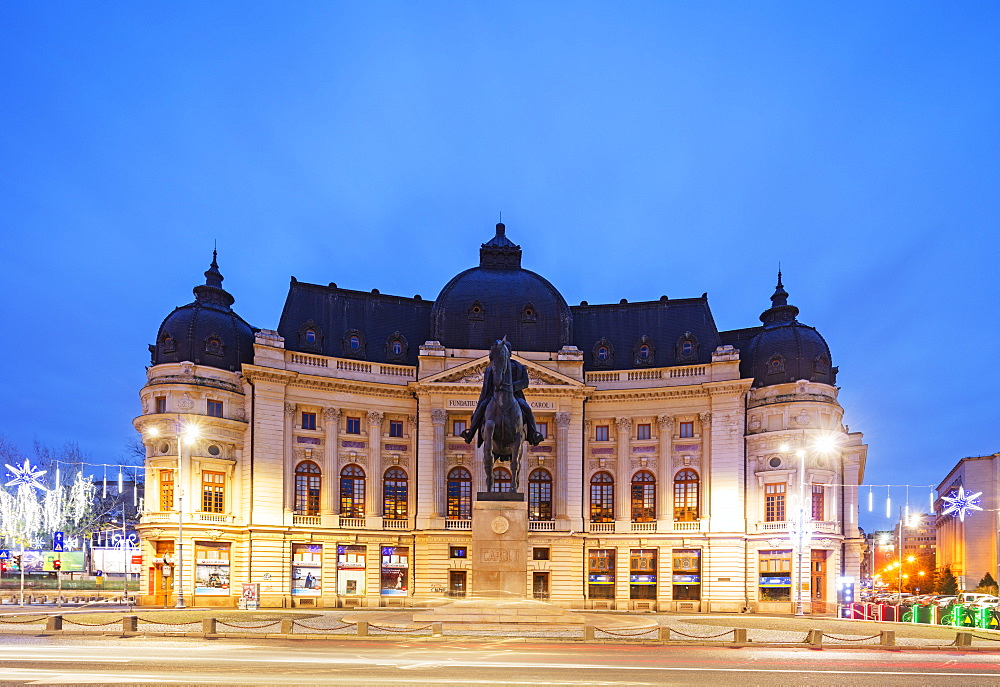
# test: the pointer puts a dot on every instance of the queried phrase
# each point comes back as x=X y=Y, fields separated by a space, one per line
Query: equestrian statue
x=503 y=419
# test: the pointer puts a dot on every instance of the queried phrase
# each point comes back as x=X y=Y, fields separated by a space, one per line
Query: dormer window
x=167 y=343
x=213 y=346
x=477 y=311
x=529 y=313
x=310 y=336
x=602 y=353
x=775 y=364
x=686 y=349
x=396 y=348
x=644 y=351
x=353 y=344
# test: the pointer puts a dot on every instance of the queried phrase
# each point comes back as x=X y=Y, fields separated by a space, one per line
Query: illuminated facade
x=969 y=545
x=328 y=467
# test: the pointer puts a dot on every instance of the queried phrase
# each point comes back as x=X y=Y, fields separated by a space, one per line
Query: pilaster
x=664 y=468
x=623 y=482
x=373 y=505
x=331 y=439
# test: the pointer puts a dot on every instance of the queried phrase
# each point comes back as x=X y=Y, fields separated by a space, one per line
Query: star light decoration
x=962 y=504
x=27 y=475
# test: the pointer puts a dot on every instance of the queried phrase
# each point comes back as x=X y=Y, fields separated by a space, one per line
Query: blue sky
x=635 y=149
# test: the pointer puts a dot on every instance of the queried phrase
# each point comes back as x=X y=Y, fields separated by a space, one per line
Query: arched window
x=394 y=494
x=307 y=488
x=540 y=495
x=352 y=492
x=644 y=351
x=310 y=336
x=686 y=496
x=459 y=494
x=355 y=342
x=602 y=498
x=501 y=480
x=686 y=347
x=602 y=353
x=213 y=345
x=397 y=348
x=643 y=497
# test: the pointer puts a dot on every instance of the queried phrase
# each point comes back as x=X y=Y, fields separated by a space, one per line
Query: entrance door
x=818 y=581
x=540 y=585
x=456 y=583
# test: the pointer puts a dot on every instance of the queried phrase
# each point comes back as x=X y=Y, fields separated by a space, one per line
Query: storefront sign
x=395 y=570
x=351 y=570
x=776 y=581
x=687 y=579
x=307 y=569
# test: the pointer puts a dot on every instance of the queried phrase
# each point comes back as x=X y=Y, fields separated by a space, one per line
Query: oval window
x=355 y=343
x=686 y=347
x=310 y=336
x=214 y=450
x=775 y=462
x=644 y=351
x=164 y=447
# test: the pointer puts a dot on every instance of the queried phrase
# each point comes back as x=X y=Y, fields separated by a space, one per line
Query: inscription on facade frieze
x=308 y=440
x=643 y=449
x=687 y=447
x=396 y=447
x=540 y=449
x=352 y=444
x=603 y=451
x=459 y=447
x=471 y=403
x=500 y=556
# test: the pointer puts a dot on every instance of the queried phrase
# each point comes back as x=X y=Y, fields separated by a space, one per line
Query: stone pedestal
x=500 y=546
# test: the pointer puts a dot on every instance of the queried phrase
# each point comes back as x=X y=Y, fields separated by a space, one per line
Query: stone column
x=439 y=417
x=705 y=473
x=561 y=493
x=289 y=457
x=331 y=440
x=623 y=483
x=664 y=469
x=373 y=504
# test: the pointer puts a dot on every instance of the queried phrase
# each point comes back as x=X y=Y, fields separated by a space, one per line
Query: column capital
x=563 y=419
x=375 y=417
x=439 y=416
x=332 y=414
x=664 y=421
x=624 y=424
x=290 y=409
x=705 y=419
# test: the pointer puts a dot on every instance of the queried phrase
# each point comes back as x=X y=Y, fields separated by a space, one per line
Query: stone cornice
x=296 y=380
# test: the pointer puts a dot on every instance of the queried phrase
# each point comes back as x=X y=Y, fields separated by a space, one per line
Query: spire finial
x=213 y=277
x=780 y=311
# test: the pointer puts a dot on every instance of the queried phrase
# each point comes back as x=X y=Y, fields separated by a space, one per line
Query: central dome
x=500 y=298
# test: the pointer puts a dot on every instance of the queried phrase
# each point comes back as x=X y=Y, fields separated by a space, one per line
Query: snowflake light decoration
x=27 y=475
x=962 y=504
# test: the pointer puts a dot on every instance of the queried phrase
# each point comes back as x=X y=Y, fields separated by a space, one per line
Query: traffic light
x=56 y=564
x=17 y=561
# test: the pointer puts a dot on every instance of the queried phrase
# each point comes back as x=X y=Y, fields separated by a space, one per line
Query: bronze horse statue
x=503 y=426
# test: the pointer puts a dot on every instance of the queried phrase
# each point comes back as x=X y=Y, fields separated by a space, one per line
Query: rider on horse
x=519 y=377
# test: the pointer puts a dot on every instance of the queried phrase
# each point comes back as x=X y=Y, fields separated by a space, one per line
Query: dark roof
x=335 y=315
x=665 y=324
x=206 y=331
x=785 y=350
x=500 y=298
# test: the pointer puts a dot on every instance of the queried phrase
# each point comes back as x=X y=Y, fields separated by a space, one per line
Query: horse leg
x=488 y=428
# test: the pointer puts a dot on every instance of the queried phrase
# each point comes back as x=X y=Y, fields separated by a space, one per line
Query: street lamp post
x=185 y=435
x=823 y=444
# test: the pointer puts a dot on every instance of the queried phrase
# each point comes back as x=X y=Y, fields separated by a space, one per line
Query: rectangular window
x=308 y=420
x=354 y=425
x=601 y=574
x=686 y=574
x=642 y=432
x=457 y=427
x=213 y=491
x=215 y=408
x=395 y=428
x=543 y=429
x=211 y=568
x=458 y=552
x=161 y=404
x=307 y=569
x=774 y=502
x=166 y=490
x=601 y=433
x=395 y=570
x=540 y=553
x=642 y=574
x=687 y=430
x=817 y=502
x=775 y=576
x=351 y=569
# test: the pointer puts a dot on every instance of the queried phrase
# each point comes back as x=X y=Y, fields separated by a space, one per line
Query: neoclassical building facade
x=322 y=461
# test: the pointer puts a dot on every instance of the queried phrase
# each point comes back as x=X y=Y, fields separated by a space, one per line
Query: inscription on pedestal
x=499 y=546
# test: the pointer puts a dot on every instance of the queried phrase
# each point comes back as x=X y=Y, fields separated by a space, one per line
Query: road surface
x=107 y=660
